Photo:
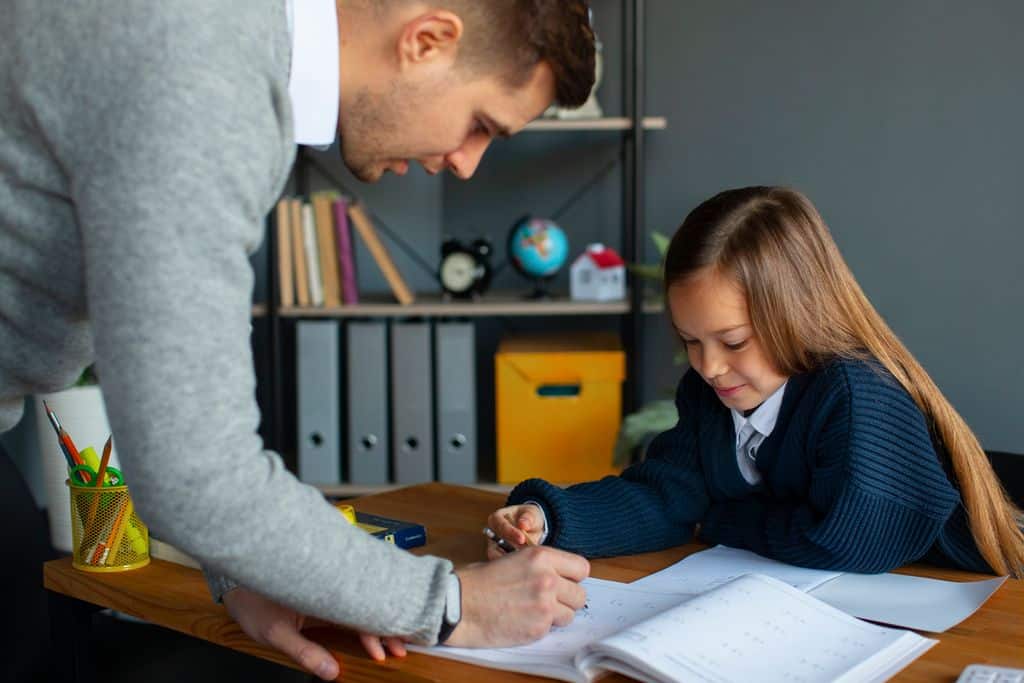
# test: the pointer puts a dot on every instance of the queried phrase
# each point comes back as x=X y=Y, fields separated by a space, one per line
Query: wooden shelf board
x=606 y=123
x=497 y=303
x=491 y=305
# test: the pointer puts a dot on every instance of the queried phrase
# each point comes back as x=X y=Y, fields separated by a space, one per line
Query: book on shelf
x=316 y=285
x=380 y=254
x=299 y=253
x=346 y=260
x=327 y=248
x=752 y=628
x=282 y=226
x=316 y=252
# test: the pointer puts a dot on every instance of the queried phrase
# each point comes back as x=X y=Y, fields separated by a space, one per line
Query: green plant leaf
x=661 y=242
x=653 y=418
x=87 y=378
x=648 y=270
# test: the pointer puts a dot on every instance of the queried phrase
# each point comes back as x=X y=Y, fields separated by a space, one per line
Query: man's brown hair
x=510 y=37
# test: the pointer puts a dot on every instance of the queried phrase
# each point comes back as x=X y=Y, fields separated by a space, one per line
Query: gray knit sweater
x=141 y=145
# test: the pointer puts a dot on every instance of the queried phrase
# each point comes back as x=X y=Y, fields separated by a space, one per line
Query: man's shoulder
x=162 y=33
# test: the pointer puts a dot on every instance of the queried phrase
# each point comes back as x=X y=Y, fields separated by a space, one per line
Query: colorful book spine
x=346 y=262
x=327 y=248
x=316 y=283
x=380 y=254
x=285 y=276
x=299 y=253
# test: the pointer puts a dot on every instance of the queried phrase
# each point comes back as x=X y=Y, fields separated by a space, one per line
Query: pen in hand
x=507 y=547
x=504 y=545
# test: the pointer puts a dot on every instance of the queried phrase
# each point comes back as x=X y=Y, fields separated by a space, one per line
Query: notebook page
x=755 y=628
x=611 y=607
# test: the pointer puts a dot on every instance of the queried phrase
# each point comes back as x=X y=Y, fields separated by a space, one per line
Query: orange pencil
x=67 y=445
x=121 y=525
x=100 y=553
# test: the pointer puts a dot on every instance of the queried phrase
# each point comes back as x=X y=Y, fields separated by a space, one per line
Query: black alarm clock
x=465 y=270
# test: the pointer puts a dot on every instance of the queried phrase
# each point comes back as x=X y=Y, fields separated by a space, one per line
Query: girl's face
x=710 y=314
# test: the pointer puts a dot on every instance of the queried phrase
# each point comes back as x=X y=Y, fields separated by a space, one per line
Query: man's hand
x=517 y=598
x=280 y=627
x=520 y=525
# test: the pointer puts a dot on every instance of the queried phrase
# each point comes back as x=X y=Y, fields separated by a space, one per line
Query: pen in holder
x=106 y=534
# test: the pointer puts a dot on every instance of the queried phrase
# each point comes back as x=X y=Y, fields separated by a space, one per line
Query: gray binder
x=455 y=366
x=412 y=403
x=319 y=431
x=367 y=403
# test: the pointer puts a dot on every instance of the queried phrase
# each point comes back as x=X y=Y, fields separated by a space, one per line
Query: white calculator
x=983 y=673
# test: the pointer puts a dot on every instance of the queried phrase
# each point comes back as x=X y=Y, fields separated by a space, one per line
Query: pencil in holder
x=106 y=534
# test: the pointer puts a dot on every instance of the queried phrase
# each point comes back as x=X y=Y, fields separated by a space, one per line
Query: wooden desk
x=176 y=597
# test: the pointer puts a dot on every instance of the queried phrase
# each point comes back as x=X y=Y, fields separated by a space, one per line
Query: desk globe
x=538 y=249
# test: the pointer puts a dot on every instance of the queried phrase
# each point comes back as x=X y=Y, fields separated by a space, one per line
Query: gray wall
x=901 y=121
x=904 y=123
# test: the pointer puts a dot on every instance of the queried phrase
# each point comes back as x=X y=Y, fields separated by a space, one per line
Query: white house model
x=599 y=274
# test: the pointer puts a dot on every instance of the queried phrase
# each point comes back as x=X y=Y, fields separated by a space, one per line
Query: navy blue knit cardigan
x=851 y=482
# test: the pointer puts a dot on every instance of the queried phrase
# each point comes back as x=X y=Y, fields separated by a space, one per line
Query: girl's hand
x=520 y=525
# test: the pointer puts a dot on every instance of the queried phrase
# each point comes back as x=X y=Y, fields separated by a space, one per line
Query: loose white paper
x=896 y=599
x=908 y=601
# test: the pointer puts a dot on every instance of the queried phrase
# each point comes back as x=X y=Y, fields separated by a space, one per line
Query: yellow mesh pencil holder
x=106 y=534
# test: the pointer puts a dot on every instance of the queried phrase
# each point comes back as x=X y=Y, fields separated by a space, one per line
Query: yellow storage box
x=559 y=405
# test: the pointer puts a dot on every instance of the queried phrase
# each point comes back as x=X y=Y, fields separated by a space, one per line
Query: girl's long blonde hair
x=807 y=308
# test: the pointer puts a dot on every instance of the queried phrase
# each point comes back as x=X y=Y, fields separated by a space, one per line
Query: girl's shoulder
x=856 y=376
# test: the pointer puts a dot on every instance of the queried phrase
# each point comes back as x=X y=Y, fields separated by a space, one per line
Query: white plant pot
x=82 y=414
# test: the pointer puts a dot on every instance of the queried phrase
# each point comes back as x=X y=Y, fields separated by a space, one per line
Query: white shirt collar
x=313 y=84
x=764 y=418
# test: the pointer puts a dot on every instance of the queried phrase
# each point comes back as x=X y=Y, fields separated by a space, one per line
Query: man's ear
x=430 y=36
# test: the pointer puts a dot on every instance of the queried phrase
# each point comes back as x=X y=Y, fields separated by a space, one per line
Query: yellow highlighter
x=348 y=512
x=91 y=460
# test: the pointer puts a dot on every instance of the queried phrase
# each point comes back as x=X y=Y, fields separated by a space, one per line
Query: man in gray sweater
x=141 y=145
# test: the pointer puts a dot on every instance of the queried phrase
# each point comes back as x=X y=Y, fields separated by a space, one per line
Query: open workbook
x=753 y=628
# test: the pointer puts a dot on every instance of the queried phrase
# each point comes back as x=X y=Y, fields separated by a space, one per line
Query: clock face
x=458 y=272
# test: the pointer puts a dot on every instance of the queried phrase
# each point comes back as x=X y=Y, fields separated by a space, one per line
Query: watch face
x=458 y=272
x=453 y=600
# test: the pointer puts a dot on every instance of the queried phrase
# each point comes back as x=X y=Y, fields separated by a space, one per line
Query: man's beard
x=369 y=127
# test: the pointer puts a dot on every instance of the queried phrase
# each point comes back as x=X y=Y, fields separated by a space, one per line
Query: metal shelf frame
x=631 y=127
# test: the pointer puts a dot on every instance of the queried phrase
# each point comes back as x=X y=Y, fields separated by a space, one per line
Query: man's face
x=439 y=120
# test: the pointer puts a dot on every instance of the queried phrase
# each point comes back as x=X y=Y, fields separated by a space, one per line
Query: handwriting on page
x=746 y=631
x=612 y=606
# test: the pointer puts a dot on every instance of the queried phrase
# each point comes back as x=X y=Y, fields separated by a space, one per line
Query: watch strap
x=448 y=626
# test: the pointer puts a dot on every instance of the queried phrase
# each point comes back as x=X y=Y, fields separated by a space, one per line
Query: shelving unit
x=632 y=127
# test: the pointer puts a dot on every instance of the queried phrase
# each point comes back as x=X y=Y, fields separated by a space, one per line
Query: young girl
x=807 y=432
